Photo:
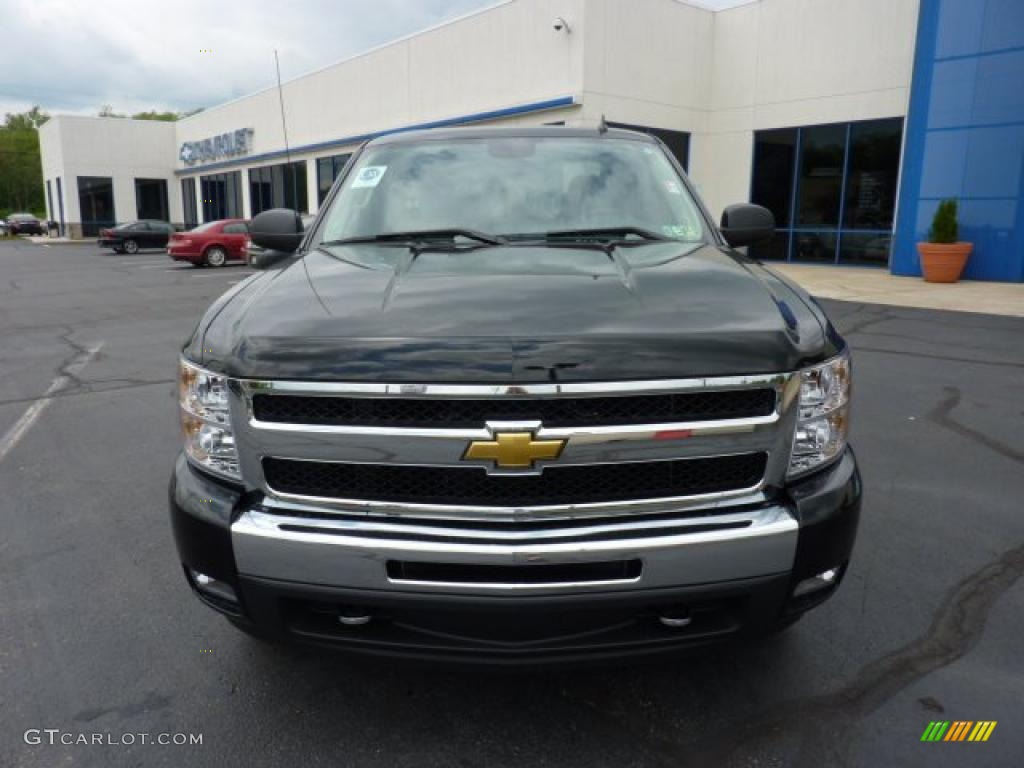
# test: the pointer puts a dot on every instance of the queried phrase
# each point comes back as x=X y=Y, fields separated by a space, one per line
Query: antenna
x=284 y=127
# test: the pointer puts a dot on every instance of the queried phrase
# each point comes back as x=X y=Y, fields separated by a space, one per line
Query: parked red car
x=212 y=244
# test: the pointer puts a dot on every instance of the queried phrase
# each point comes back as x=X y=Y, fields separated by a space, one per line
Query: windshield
x=513 y=187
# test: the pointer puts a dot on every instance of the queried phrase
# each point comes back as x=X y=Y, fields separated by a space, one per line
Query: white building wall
x=501 y=57
x=121 y=149
x=784 y=63
x=662 y=63
x=52 y=158
x=647 y=62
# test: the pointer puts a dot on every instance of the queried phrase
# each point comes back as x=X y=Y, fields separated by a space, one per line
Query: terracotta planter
x=943 y=262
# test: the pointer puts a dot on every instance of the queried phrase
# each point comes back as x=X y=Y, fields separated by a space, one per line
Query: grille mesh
x=556 y=485
x=554 y=412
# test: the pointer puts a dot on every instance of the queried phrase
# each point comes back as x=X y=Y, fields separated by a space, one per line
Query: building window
x=832 y=189
x=188 y=203
x=60 y=205
x=50 y=212
x=96 y=204
x=151 y=199
x=279 y=186
x=222 y=196
x=327 y=170
x=678 y=142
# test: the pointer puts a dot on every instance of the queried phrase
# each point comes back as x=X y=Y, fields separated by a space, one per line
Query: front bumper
x=294 y=579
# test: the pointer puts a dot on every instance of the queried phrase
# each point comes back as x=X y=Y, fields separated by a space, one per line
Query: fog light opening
x=208 y=585
x=821 y=581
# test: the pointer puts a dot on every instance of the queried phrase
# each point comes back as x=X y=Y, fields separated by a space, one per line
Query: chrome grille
x=583 y=484
x=553 y=412
x=711 y=445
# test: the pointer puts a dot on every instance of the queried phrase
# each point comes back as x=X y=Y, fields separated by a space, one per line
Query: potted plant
x=944 y=257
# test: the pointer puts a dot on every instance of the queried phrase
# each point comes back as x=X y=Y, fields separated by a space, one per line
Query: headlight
x=206 y=420
x=823 y=420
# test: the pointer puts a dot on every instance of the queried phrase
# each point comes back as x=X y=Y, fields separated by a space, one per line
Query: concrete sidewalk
x=877 y=286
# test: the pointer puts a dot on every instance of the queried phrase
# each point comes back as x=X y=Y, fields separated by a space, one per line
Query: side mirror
x=261 y=258
x=746 y=224
x=279 y=229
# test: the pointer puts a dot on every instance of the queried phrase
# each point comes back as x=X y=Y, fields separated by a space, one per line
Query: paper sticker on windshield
x=369 y=176
x=673 y=187
x=681 y=231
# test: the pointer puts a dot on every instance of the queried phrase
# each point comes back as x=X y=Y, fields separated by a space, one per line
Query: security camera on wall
x=559 y=24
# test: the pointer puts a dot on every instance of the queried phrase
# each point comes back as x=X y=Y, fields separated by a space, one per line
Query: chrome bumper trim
x=335 y=552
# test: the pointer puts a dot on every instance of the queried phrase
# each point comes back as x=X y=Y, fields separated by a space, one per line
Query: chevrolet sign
x=229 y=144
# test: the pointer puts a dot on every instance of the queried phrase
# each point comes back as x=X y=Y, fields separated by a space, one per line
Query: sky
x=74 y=56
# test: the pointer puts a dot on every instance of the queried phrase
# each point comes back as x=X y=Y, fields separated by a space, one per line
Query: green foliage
x=151 y=114
x=944 y=225
x=166 y=117
x=25 y=121
x=21 y=172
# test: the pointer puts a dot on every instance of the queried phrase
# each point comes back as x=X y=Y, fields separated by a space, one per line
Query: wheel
x=216 y=257
x=130 y=246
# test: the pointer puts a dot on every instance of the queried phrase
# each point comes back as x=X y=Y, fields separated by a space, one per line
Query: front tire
x=130 y=246
x=216 y=257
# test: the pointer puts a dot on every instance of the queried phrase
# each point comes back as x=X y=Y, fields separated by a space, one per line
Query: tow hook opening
x=677 y=617
x=351 y=616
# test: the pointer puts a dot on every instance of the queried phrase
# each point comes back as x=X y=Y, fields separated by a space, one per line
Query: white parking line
x=40 y=404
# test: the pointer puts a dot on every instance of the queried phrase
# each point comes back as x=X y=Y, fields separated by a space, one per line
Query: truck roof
x=525 y=132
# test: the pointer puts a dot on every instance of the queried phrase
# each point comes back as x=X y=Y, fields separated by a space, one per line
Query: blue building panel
x=965 y=134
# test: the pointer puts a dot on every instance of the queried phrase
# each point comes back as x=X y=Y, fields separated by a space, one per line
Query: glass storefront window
x=821 y=176
x=151 y=199
x=814 y=246
x=221 y=195
x=279 y=186
x=96 y=204
x=871 y=174
x=327 y=170
x=832 y=189
x=774 y=161
x=872 y=248
x=188 y=203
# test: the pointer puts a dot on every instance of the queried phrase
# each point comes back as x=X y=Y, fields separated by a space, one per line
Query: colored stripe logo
x=959 y=730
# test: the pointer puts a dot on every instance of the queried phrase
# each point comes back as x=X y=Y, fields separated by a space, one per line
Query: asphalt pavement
x=99 y=634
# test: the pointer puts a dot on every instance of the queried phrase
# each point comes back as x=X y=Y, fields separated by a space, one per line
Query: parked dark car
x=514 y=396
x=136 y=235
x=212 y=244
x=24 y=224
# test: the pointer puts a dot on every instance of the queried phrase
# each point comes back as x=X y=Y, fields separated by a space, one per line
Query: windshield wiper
x=616 y=234
x=420 y=237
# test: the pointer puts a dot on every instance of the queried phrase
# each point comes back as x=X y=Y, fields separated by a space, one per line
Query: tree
x=151 y=114
x=23 y=121
x=21 y=172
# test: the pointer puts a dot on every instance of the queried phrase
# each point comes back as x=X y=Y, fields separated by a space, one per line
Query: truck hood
x=515 y=315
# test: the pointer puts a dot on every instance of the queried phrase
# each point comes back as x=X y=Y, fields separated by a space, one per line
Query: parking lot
x=98 y=632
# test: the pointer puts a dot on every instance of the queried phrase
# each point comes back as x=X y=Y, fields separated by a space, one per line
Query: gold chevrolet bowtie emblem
x=514 y=450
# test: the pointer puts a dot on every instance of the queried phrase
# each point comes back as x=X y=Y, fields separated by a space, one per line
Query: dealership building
x=849 y=120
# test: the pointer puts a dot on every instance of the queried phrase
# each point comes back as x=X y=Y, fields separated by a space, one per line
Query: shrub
x=944 y=226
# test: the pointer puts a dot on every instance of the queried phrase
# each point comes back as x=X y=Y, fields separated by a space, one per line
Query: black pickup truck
x=513 y=396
